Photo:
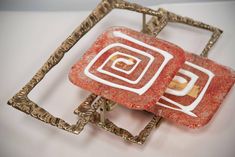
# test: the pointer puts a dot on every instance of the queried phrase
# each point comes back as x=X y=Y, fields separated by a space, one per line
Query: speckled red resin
x=218 y=88
x=98 y=65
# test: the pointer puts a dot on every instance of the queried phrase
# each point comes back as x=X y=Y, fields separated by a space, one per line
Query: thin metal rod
x=144 y=23
x=103 y=112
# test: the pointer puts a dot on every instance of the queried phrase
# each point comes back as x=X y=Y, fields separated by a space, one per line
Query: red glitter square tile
x=128 y=67
x=207 y=84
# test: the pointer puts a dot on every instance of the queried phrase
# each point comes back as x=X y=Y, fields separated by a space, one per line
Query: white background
x=27 y=38
x=73 y=5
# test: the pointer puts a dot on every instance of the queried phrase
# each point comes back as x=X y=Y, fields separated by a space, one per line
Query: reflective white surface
x=28 y=38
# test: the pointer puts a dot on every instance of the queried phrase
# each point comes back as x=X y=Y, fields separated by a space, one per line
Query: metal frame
x=87 y=111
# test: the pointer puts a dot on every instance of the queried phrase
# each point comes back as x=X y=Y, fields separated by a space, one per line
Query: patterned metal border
x=88 y=109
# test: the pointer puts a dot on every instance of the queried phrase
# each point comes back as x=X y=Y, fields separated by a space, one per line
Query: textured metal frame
x=157 y=23
x=87 y=111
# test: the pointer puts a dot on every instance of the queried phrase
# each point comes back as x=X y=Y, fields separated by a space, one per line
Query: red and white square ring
x=128 y=67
